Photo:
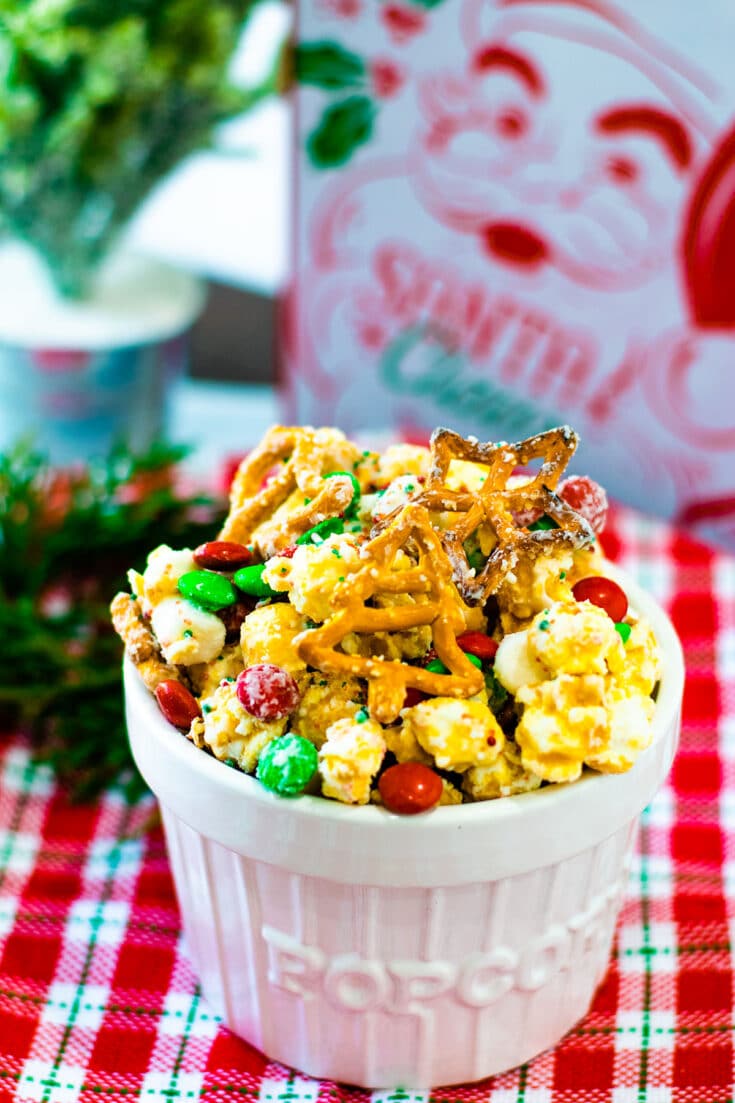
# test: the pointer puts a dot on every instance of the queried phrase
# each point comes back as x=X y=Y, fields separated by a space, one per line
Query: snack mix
x=417 y=627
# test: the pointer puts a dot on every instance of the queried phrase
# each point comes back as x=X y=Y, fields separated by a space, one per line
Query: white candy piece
x=187 y=634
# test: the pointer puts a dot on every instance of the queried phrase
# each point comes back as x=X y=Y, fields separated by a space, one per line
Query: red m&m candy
x=410 y=787
x=477 y=643
x=222 y=555
x=602 y=592
x=267 y=691
x=586 y=497
x=413 y=697
x=177 y=704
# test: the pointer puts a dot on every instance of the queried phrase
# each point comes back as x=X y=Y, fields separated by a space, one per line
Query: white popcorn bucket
x=364 y=947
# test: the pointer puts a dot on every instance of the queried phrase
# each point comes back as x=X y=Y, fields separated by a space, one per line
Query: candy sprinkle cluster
x=416 y=627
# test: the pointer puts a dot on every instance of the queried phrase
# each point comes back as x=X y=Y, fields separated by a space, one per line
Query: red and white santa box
x=515 y=212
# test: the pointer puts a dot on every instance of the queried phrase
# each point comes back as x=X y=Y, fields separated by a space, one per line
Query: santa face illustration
x=535 y=152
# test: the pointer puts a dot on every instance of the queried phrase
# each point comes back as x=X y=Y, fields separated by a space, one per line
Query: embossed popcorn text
x=356 y=983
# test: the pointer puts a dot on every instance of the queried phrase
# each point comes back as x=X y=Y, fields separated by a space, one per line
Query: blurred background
x=224 y=215
x=497 y=214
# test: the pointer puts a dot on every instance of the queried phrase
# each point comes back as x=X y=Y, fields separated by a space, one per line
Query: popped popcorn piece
x=463 y=475
x=640 y=668
x=409 y=644
x=450 y=794
x=349 y=759
x=575 y=637
x=324 y=701
x=402 y=742
x=312 y=575
x=534 y=585
x=629 y=721
x=267 y=636
x=565 y=720
x=186 y=633
x=164 y=567
x=205 y=677
x=515 y=666
x=401 y=459
x=399 y=491
x=457 y=733
x=502 y=778
x=231 y=732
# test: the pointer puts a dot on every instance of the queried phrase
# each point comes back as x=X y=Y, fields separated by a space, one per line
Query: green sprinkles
x=187 y=633
x=562 y=575
x=623 y=631
x=206 y=709
x=544 y=625
x=362 y=716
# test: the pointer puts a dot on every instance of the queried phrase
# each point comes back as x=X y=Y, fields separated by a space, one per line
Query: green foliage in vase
x=99 y=99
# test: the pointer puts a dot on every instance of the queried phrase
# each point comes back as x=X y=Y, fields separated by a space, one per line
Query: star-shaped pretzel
x=499 y=505
x=294 y=458
x=437 y=605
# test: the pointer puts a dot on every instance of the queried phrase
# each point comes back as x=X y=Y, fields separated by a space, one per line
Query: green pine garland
x=66 y=541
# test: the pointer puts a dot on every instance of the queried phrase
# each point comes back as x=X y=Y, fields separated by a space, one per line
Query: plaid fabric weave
x=98 y=1000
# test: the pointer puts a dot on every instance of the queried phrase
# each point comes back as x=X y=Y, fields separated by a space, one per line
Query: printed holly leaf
x=343 y=127
x=328 y=65
x=428 y=3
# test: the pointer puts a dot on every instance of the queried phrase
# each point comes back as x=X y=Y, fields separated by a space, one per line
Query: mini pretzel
x=437 y=605
x=304 y=459
x=497 y=504
x=141 y=646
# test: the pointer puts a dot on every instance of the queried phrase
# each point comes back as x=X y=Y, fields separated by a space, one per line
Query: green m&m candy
x=207 y=590
x=319 y=533
x=287 y=765
x=436 y=666
x=250 y=580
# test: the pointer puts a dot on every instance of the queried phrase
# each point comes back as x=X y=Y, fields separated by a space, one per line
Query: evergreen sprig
x=67 y=539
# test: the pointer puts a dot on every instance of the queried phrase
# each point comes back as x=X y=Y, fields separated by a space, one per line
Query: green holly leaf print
x=329 y=65
x=343 y=127
x=428 y=3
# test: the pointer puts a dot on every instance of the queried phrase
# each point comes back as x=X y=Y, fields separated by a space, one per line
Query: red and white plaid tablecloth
x=98 y=1000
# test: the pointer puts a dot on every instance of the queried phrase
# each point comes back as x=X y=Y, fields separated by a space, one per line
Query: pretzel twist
x=141 y=645
x=436 y=605
x=301 y=458
x=497 y=504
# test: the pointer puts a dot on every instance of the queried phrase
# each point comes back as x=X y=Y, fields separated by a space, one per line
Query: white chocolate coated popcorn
x=349 y=759
x=231 y=732
x=457 y=733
